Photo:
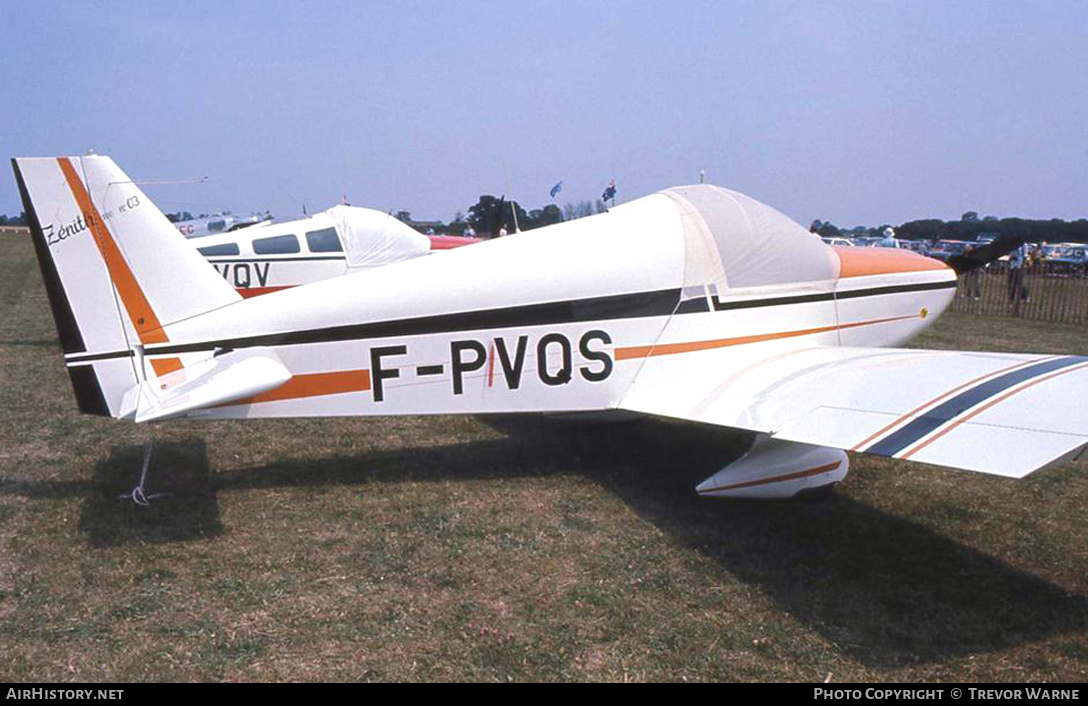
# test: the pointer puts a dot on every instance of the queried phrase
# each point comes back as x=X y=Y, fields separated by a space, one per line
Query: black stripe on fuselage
x=952 y=408
x=218 y=259
x=698 y=305
x=719 y=305
x=895 y=289
x=88 y=358
x=622 y=306
x=830 y=296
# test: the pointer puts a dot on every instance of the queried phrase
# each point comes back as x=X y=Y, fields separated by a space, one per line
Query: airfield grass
x=445 y=548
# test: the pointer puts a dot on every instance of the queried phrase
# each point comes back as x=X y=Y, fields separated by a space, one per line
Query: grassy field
x=449 y=548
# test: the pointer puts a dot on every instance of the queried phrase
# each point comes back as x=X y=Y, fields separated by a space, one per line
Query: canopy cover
x=733 y=241
x=372 y=238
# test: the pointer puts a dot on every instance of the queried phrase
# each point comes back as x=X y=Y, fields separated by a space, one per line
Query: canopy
x=372 y=238
x=734 y=241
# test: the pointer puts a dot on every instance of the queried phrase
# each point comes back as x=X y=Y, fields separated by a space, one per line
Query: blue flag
x=557 y=188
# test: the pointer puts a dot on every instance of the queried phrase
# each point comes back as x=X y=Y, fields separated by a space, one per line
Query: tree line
x=969 y=227
x=490 y=214
x=484 y=218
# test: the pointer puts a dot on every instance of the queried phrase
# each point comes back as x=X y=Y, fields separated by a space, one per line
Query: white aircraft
x=695 y=303
x=339 y=240
x=220 y=223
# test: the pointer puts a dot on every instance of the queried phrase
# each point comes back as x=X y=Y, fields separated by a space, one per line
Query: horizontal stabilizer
x=216 y=381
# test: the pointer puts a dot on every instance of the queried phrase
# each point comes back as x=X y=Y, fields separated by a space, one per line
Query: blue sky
x=853 y=112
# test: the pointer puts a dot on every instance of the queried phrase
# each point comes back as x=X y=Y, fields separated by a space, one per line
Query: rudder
x=116 y=272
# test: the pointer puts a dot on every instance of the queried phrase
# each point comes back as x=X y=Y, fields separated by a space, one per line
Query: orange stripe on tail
x=164 y=366
x=132 y=296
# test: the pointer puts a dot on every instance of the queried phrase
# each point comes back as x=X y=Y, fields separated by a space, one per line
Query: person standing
x=972 y=280
x=1018 y=288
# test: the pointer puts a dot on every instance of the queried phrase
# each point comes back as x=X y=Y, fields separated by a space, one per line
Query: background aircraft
x=219 y=223
x=327 y=244
x=695 y=303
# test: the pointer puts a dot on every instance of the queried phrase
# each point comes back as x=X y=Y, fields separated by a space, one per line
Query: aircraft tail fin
x=116 y=272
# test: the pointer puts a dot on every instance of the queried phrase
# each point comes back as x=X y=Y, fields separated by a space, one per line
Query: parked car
x=1072 y=261
x=945 y=249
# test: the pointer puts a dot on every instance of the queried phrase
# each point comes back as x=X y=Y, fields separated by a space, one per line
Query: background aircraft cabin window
x=224 y=249
x=277 y=245
x=216 y=226
x=324 y=240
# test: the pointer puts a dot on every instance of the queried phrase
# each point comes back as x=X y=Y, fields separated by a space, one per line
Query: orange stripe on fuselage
x=248 y=292
x=313 y=385
x=861 y=262
x=690 y=346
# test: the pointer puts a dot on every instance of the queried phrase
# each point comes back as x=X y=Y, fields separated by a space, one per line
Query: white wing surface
x=1007 y=414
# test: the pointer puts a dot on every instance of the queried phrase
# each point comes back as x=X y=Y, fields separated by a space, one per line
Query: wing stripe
x=919 y=408
x=986 y=406
x=952 y=408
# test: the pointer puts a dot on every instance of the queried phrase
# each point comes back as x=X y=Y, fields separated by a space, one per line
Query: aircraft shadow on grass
x=32 y=342
x=887 y=591
x=189 y=510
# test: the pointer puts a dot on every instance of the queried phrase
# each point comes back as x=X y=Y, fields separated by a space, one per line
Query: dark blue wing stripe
x=952 y=408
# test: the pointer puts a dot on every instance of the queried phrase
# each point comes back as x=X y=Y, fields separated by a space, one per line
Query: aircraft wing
x=1006 y=414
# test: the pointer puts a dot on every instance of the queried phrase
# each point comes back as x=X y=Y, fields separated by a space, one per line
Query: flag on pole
x=557 y=188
